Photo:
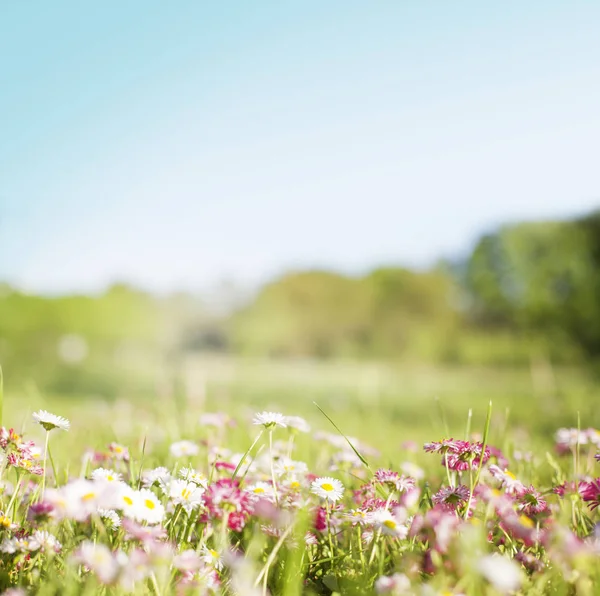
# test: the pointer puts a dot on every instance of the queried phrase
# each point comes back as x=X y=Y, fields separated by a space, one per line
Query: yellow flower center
x=110 y=478
x=149 y=504
x=5 y=521
x=214 y=554
x=294 y=484
x=88 y=496
x=326 y=486
x=258 y=490
x=128 y=500
x=510 y=475
x=526 y=521
x=390 y=523
x=186 y=493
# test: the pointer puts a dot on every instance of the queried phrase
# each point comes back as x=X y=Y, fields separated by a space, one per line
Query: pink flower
x=459 y=455
x=531 y=502
x=452 y=497
x=393 y=480
x=224 y=497
x=590 y=492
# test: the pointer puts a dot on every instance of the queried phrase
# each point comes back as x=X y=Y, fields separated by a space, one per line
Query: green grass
x=381 y=404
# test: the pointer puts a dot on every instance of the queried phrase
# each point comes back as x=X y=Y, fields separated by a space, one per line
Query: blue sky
x=175 y=144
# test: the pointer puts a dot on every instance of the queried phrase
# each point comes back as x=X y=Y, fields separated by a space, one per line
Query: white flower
x=188 y=560
x=503 y=573
x=288 y=466
x=190 y=475
x=269 y=419
x=396 y=584
x=327 y=488
x=9 y=546
x=51 y=421
x=185 y=493
x=260 y=489
x=389 y=524
x=211 y=557
x=104 y=475
x=358 y=516
x=110 y=518
x=98 y=558
x=79 y=499
x=127 y=501
x=184 y=449
x=160 y=475
x=148 y=508
x=297 y=423
x=46 y=542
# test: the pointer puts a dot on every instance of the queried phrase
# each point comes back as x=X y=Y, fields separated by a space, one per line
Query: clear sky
x=172 y=144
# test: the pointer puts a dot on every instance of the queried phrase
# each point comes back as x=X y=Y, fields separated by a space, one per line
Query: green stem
x=272 y=467
x=52 y=464
x=235 y=473
x=14 y=495
x=44 y=469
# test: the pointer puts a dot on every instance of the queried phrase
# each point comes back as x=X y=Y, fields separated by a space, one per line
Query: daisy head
x=269 y=419
x=51 y=421
x=327 y=488
x=184 y=449
x=260 y=489
x=296 y=423
x=190 y=475
x=148 y=507
x=104 y=475
x=211 y=557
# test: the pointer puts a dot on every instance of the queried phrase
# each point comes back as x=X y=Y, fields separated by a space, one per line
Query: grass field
x=377 y=403
x=237 y=522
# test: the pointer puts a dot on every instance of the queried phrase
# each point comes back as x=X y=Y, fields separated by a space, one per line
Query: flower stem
x=272 y=468
x=44 y=469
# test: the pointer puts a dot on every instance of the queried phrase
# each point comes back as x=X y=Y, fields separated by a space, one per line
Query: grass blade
x=362 y=459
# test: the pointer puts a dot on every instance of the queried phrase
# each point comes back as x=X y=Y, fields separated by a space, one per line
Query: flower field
x=191 y=514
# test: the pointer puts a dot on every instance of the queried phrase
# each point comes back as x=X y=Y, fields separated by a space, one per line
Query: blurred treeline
x=528 y=291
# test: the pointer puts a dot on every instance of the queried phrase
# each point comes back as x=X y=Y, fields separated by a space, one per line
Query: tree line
x=526 y=290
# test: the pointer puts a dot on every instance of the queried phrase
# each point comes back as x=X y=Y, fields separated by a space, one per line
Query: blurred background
x=371 y=205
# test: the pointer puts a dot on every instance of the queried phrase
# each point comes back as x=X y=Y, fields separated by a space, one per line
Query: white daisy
x=185 y=493
x=79 y=499
x=160 y=475
x=297 y=423
x=148 y=507
x=260 y=489
x=98 y=558
x=211 y=557
x=269 y=419
x=104 y=475
x=184 y=449
x=285 y=465
x=327 y=488
x=51 y=421
x=110 y=518
x=46 y=542
x=389 y=524
x=127 y=501
x=190 y=475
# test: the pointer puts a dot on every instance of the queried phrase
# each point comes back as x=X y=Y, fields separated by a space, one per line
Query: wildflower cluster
x=211 y=521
